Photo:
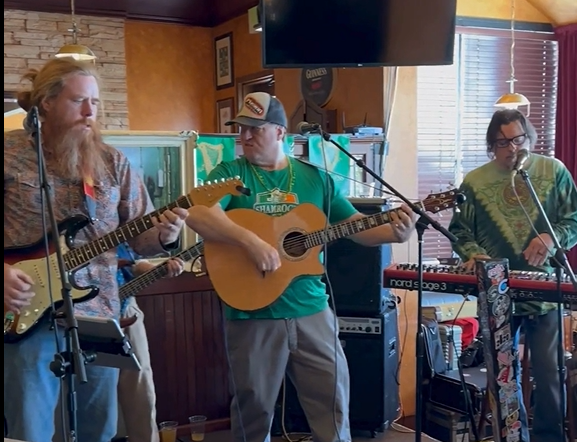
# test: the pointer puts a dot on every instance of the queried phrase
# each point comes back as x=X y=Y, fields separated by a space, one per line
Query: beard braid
x=77 y=153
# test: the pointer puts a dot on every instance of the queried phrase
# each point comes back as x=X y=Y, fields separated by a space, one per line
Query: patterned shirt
x=492 y=222
x=120 y=197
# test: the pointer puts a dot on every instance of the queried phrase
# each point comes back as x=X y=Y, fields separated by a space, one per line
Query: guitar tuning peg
x=236 y=177
x=222 y=180
x=208 y=183
x=200 y=183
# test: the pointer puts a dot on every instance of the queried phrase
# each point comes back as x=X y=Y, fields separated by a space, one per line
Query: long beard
x=76 y=153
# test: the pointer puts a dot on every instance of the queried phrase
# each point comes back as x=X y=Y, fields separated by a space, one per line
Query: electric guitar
x=136 y=285
x=44 y=270
x=298 y=236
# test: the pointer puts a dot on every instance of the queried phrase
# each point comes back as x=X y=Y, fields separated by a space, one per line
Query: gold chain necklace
x=261 y=179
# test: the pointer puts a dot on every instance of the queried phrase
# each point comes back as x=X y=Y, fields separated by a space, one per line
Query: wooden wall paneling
x=185 y=333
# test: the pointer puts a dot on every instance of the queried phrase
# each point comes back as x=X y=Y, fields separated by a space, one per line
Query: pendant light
x=75 y=50
x=512 y=99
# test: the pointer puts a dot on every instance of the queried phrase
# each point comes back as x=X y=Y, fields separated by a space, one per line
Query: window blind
x=455 y=105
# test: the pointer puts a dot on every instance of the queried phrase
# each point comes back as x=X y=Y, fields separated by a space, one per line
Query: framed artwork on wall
x=223 y=61
x=224 y=112
x=166 y=163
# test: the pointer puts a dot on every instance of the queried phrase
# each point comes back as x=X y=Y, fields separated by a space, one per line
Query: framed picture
x=224 y=113
x=223 y=61
x=166 y=163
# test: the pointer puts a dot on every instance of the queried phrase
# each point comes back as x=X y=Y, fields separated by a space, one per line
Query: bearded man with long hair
x=86 y=177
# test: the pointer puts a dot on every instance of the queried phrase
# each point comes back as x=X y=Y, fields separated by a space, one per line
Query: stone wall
x=31 y=38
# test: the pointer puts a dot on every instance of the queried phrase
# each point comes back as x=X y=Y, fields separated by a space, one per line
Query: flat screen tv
x=355 y=33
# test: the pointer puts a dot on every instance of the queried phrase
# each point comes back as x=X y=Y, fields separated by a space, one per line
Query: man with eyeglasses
x=493 y=224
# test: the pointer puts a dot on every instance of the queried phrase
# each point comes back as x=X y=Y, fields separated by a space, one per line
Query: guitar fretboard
x=348 y=228
x=81 y=255
x=139 y=283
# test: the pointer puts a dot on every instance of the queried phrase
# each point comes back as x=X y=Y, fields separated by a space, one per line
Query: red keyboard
x=524 y=286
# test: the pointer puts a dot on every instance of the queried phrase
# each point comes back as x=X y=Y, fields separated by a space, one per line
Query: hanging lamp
x=75 y=50
x=512 y=99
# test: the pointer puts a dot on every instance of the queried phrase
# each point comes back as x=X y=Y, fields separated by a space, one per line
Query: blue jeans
x=543 y=339
x=31 y=393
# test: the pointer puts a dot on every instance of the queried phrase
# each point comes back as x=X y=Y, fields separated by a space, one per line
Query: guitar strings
x=297 y=243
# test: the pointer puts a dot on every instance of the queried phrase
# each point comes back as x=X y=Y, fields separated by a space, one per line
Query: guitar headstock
x=437 y=202
x=211 y=192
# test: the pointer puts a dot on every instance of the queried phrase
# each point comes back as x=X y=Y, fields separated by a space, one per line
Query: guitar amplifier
x=355 y=272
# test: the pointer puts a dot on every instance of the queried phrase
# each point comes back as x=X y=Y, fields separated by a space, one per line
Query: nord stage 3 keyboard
x=524 y=286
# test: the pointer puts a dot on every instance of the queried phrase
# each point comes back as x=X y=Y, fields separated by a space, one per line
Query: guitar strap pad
x=90 y=198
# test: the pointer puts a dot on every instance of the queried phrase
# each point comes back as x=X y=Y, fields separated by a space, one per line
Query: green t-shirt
x=276 y=193
x=492 y=222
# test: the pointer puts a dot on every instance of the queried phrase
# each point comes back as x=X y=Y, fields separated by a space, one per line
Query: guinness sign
x=318 y=84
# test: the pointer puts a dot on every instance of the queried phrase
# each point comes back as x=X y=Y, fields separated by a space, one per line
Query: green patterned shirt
x=492 y=222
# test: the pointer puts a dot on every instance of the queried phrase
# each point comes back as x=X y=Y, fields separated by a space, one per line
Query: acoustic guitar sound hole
x=294 y=244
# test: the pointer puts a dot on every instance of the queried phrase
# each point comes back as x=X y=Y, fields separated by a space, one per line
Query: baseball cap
x=259 y=108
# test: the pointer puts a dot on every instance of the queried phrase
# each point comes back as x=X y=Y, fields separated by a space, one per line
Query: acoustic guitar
x=298 y=236
x=44 y=271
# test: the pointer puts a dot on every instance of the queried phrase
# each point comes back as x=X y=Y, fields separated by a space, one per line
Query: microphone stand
x=561 y=264
x=69 y=363
x=422 y=224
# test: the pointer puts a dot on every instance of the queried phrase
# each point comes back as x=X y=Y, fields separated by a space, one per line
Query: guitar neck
x=79 y=256
x=347 y=228
x=139 y=283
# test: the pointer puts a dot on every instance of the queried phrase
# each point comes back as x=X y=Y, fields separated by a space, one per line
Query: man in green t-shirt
x=492 y=224
x=297 y=334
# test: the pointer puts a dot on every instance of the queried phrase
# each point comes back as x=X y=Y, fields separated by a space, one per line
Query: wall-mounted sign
x=318 y=84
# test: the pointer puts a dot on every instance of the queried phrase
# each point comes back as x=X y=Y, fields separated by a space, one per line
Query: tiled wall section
x=30 y=38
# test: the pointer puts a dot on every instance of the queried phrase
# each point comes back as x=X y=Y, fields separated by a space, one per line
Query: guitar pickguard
x=46 y=276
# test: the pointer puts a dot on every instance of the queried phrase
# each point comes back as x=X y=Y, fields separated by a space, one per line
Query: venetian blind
x=455 y=105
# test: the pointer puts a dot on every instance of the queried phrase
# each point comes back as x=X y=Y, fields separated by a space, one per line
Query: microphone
x=522 y=157
x=32 y=121
x=304 y=128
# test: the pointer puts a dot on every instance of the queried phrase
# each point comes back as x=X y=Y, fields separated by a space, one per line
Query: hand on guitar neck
x=17 y=288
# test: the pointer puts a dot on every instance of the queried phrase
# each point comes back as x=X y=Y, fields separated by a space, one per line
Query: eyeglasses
x=505 y=142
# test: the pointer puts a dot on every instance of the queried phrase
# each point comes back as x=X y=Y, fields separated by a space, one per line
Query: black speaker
x=372 y=351
x=355 y=272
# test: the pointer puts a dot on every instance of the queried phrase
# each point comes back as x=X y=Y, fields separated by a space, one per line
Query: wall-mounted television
x=355 y=33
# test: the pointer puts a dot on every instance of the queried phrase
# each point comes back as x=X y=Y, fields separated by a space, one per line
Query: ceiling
x=214 y=12
x=560 y=12
x=191 y=12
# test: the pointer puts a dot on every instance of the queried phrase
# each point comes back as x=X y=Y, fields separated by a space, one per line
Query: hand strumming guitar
x=17 y=288
x=265 y=256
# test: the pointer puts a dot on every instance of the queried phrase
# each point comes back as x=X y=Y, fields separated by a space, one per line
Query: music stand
x=103 y=340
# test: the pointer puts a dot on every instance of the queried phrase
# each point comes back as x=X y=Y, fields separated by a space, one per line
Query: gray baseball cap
x=258 y=109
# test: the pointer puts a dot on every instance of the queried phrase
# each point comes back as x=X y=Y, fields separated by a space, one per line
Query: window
x=455 y=105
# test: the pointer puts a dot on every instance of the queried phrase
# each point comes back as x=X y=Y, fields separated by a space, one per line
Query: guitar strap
x=90 y=198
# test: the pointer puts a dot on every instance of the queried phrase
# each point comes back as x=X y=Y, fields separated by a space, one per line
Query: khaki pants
x=307 y=349
x=136 y=394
